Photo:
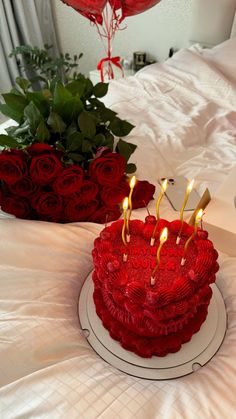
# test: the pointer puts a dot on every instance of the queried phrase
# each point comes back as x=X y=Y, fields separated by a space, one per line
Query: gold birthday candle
x=163 y=238
x=197 y=220
x=163 y=189
x=131 y=185
x=188 y=191
x=125 y=207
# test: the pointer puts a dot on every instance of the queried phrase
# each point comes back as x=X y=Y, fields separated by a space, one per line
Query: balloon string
x=107 y=31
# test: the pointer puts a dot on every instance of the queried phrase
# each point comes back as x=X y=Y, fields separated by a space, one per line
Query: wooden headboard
x=213 y=21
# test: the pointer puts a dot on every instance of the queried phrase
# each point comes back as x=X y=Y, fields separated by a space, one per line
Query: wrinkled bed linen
x=185 y=117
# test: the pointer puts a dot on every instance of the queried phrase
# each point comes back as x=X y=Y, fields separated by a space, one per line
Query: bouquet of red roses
x=36 y=184
x=64 y=161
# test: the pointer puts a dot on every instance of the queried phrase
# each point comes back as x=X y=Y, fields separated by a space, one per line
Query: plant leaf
x=99 y=140
x=72 y=109
x=23 y=83
x=125 y=149
x=8 y=141
x=107 y=114
x=40 y=100
x=120 y=128
x=33 y=116
x=76 y=87
x=60 y=96
x=56 y=123
x=87 y=124
x=12 y=113
x=86 y=146
x=14 y=106
x=42 y=133
x=74 y=141
x=131 y=168
x=88 y=89
x=76 y=157
x=100 y=89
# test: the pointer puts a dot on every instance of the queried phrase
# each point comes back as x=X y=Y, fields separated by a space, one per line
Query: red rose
x=108 y=169
x=78 y=211
x=47 y=203
x=105 y=215
x=40 y=148
x=1 y=195
x=114 y=195
x=143 y=193
x=12 y=166
x=17 y=206
x=45 y=168
x=88 y=191
x=69 y=180
x=23 y=187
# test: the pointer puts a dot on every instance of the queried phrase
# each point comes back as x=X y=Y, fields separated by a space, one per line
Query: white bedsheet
x=185 y=117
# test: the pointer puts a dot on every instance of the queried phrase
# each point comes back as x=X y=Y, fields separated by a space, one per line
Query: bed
x=185 y=116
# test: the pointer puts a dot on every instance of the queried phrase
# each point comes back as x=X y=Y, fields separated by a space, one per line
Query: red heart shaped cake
x=152 y=319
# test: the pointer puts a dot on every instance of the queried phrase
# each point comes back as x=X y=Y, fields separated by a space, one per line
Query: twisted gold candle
x=125 y=207
x=163 y=189
x=132 y=185
x=188 y=191
x=197 y=219
x=163 y=238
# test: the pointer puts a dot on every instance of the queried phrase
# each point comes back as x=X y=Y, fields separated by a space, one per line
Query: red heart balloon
x=87 y=7
x=134 y=7
x=93 y=8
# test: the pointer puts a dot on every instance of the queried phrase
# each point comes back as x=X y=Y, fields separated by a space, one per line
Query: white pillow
x=223 y=57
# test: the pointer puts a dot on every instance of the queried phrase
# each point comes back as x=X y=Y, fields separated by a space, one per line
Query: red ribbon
x=113 y=60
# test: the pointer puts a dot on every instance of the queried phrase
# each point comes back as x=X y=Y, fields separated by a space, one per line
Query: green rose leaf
x=8 y=141
x=56 y=123
x=107 y=114
x=76 y=87
x=23 y=83
x=40 y=100
x=11 y=113
x=100 y=89
x=76 y=157
x=33 y=116
x=87 y=124
x=120 y=128
x=74 y=141
x=109 y=139
x=14 y=106
x=125 y=149
x=60 y=97
x=88 y=88
x=131 y=168
x=99 y=140
x=86 y=146
x=72 y=108
x=42 y=133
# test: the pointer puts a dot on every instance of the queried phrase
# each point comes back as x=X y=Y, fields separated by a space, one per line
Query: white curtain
x=22 y=22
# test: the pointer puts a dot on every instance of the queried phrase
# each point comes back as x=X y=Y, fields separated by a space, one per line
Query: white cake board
x=192 y=355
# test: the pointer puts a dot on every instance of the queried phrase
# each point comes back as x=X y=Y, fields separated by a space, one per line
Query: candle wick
x=125 y=257
x=183 y=260
x=152 y=281
x=152 y=241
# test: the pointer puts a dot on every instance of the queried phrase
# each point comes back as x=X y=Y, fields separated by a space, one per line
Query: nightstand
x=94 y=75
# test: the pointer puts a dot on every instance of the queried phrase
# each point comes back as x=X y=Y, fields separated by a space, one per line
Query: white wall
x=154 y=31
